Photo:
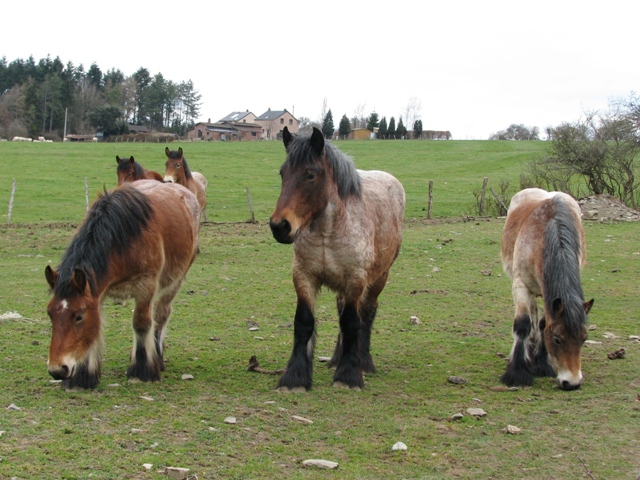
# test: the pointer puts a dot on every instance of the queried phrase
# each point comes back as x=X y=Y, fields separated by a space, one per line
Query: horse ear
x=131 y=160
x=51 y=275
x=286 y=137
x=167 y=151
x=180 y=152
x=317 y=140
x=557 y=307
x=79 y=280
x=588 y=305
x=117 y=159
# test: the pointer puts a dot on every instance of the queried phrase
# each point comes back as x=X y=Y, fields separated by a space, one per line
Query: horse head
x=125 y=169
x=306 y=185
x=176 y=168
x=76 y=326
x=563 y=338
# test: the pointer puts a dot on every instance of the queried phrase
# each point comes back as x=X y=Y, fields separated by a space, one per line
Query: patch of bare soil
x=605 y=208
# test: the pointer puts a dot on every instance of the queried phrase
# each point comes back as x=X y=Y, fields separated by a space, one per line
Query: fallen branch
x=254 y=366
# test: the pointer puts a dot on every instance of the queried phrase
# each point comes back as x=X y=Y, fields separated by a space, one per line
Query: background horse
x=129 y=170
x=138 y=240
x=177 y=171
x=543 y=251
x=346 y=227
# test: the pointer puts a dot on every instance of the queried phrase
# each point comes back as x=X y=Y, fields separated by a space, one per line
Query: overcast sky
x=474 y=66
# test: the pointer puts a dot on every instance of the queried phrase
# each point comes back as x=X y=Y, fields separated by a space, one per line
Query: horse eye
x=178 y=165
x=310 y=174
x=79 y=318
x=557 y=341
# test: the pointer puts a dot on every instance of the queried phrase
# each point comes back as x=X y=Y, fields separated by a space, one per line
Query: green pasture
x=50 y=177
x=448 y=274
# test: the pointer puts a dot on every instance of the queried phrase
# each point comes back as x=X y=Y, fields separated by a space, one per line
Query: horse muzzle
x=168 y=179
x=61 y=372
x=281 y=231
x=567 y=381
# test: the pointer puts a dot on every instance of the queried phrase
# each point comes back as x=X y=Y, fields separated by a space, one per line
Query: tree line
x=47 y=97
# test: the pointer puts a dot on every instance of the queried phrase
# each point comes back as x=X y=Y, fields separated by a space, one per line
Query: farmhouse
x=274 y=121
x=225 y=130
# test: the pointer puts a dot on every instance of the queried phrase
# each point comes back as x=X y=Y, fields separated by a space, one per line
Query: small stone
x=320 y=463
x=456 y=380
x=2 y=432
x=114 y=385
x=457 y=416
x=176 y=473
x=486 y=273
x=14 y=407
x=513 y=430
x=147 y=466
x=399 y=446
x=476 y=412
x=300 y=419
x=592 y=342
x=324 y=359
x=634 y=337
x=258 y=338
x=435 y=269
x=254 y=329
x=592 y=327
x=136 y=430
x=609 y=335
x=148 y=399
x=230 y=420
x=187 y=376
x=413 y=320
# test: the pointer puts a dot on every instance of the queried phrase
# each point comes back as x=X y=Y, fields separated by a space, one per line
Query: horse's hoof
x=344 y=385
x=291 y=390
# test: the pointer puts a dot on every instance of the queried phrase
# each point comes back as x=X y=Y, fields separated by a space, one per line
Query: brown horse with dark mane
x=346 y=229
x=138 y=241
x=129 y=170
x=543 y=251
x=177 y=171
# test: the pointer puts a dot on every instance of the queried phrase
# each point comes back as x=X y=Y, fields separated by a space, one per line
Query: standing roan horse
x=138 y=240
x=177 y=171
x=543 y=251
x=346 y=227
x=129 y=170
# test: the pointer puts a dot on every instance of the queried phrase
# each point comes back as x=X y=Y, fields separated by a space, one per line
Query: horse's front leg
x=348 y=370
x=298 y=374
x=144 y=364
x=518 y=369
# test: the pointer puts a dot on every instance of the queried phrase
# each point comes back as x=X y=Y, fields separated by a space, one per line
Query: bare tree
x=359 y=120
x=412 y=111
x=323 y=111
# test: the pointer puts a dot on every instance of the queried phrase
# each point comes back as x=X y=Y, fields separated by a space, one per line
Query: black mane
x=115 y=219
x=562 y=266
x=300 y=152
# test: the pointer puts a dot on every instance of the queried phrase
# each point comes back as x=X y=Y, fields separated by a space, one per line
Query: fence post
x=499 y=200
x=484 y=191
x=430 y=199
x=86 y=194
x=253 y=218
x=13 y=194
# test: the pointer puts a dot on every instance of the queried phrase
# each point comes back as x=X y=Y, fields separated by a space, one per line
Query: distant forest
x=34 y=98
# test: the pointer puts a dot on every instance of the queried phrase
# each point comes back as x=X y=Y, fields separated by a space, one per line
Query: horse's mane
x=114 y=220
x=562 y=265
x=174 y=155
x=345 y=175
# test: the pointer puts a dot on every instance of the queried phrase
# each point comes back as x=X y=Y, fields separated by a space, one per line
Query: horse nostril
x=566 y=385
x=59 y=373
x=280 y=230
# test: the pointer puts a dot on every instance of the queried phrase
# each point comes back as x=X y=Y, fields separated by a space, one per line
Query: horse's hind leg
x=518 y=372
x=335 y=359
x=144 y=364
x=162 y=314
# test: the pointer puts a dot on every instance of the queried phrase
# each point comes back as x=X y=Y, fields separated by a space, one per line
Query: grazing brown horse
x=138 y=241
x=543 y=251
x=177 y=171
x=129 y=170
x=346 y=227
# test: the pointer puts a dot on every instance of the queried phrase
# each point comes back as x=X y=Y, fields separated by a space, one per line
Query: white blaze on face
x=168 y=179
x=64 y=305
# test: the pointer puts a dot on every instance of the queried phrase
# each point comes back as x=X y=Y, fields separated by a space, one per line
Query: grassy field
x=441 y=276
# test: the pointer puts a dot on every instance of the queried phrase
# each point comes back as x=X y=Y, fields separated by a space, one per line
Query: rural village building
x=245 y=126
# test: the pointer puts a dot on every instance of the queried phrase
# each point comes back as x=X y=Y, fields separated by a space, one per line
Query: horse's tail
x=561 y=257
